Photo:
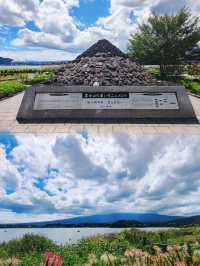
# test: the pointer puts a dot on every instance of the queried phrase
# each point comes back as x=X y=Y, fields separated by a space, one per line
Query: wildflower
x=177 y=247
x=123 y=260
x=108 y=258
x=52 y=259
x=92 y=258
x=196 y=257
x=157 y=249
x=170 y=248
x=11 y=261
x=164 y=255
x=180 y=263
x=128 y=253
x=185 y=247
x=197 y=252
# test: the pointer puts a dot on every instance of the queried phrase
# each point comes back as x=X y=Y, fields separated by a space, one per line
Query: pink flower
x=51 y=259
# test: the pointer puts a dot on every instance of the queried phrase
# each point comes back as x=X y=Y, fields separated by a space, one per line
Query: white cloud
x=10 y=216
x=9 y=175
x=59 y=30
x=28 y=38
x=65 y=176
x=17 y=12
x=54 y=18
x=38 y=55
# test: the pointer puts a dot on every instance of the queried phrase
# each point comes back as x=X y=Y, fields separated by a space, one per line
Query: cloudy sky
x=52 y=177
x=61 y=29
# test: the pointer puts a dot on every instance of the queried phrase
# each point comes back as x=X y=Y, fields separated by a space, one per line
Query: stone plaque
x=102 y=100
x=106 y=104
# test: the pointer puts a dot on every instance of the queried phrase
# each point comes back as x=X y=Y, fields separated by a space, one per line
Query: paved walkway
x=9 y=108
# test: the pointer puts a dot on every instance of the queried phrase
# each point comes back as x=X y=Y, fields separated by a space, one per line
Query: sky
x=55 y=177
x=62 y=29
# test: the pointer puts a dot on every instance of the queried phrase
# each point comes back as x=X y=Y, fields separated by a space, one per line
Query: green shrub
x=8 y=88
x=37 y=79
x=193 y=85
x=29 y=244
x=32 y=259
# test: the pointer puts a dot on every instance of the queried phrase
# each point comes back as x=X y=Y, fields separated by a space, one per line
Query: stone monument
x=105 y=64
x=102 y=85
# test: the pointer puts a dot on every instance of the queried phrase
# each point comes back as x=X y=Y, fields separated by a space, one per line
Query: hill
x=186 y=221
x=116 y=220
x=5 y=61
x=139 y=219
x=115 y=217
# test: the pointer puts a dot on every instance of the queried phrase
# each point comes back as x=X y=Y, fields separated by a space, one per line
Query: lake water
x=62 y=235
x=26 y=66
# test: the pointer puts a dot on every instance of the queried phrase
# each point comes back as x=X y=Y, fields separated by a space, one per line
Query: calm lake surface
x=62 y=235
x=26 y=66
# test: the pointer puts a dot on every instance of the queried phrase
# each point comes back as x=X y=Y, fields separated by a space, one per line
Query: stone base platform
x=9 y=108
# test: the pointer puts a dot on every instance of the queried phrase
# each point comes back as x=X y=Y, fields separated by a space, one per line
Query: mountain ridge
x=116 y=222
x=110 y=218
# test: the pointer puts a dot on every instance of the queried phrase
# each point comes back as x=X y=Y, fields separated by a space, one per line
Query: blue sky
x=61 y=29
x=56 y=177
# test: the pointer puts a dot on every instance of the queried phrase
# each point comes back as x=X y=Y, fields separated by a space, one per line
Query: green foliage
x=8 y=88
x=32 y=259
x=193 y=85
x=28 y=244
x=37 y=79
x=153 y=70
x=132 y=247
x=10 y=71
x=165 y=39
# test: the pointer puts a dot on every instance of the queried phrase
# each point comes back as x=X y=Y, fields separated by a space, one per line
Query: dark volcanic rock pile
x=106 y=65
x=102 y=46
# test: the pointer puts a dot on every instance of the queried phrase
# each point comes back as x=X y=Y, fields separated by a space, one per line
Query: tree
x=165 y=39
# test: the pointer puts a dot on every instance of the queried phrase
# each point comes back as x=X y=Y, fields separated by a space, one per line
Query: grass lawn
x=130 y=247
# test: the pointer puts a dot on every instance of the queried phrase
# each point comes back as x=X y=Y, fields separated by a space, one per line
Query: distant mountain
x=125 y=224
x=115 y=217
x=5 y=61
x=37 y=63
x=9 y=61
x=116 y=220
x=186 y=221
